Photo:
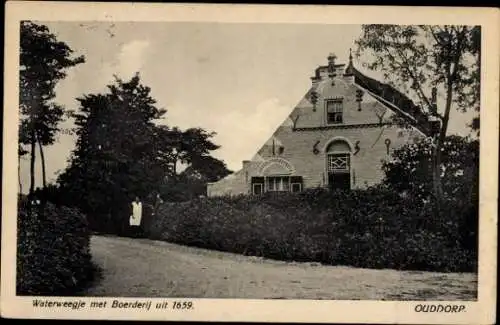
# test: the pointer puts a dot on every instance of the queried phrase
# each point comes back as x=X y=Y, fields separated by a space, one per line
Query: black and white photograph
x=162 y=163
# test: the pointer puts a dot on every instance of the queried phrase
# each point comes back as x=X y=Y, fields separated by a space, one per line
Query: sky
x=238 y=80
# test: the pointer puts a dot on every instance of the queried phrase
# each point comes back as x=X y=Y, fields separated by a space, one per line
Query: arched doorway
x=338 y=164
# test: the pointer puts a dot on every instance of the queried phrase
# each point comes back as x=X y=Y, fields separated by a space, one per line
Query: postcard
x=250 y=163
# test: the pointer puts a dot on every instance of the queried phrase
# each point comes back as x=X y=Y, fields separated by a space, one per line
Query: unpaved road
x=147 y=268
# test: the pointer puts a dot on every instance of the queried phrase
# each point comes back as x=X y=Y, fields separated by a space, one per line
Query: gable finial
x=350 y=67
x=331 y=67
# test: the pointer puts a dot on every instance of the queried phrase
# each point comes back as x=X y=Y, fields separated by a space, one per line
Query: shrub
x=410 y=168
x=53 y=250
x=373 y=228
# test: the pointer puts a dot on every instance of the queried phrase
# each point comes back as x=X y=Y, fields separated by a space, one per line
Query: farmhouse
x=336 y=137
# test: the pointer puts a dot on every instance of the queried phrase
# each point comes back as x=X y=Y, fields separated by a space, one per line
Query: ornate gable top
x=402 y=104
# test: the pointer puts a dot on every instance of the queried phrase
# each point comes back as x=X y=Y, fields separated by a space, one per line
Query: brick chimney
x=246 y=164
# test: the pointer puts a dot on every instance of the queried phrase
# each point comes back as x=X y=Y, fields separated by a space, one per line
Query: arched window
x=276 y=175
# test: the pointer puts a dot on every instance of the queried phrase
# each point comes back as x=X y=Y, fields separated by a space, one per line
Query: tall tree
x=169 y=144
x=43 y=62
x=186 y=147
x=208 y=168
x=192 y=150
x=121 y=153
x=439 y=66
x=195 y=143
x=115 y=157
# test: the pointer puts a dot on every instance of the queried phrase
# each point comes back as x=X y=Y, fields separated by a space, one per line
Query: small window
x=257 y=185
x=296 y=187
x=257 y=189
x=334 y=111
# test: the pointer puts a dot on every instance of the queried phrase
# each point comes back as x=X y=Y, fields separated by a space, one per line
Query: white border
x=311 y=311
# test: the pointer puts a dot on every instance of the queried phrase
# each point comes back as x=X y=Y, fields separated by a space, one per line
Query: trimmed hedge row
x=53 y=250
x=374 y=228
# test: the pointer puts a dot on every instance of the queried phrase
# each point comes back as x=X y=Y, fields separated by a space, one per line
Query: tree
x=190 y=148
x=208 y=168
x=202 y=170
x=410 y=166
x=409 y=172
x=121 y=153
x=115 y=158
x=429 y=62
x=43 y=61
x=169 y=146
x=184 y=147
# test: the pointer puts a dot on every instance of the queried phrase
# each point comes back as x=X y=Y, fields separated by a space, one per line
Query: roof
x=394 y=97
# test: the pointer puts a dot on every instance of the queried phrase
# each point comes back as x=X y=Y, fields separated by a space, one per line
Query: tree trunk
x=32 y=161
x=42 y=157
x=438 y=145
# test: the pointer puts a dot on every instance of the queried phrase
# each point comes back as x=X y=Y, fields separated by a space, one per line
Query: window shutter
x=257 y=180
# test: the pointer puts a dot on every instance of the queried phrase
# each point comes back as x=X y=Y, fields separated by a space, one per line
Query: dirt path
x=146 y=268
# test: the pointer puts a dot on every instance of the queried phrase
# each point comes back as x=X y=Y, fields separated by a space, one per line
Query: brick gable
x=301 y=140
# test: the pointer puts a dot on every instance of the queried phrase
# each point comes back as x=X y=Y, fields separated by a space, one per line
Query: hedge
x=53 y=250
x=374 y=228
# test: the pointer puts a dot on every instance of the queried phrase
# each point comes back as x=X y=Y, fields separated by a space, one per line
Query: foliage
x=43 y=62
x=114 y=159
x=122 y=153
x=207 y=169
x=438 y=65
x=192 y=149
x=192 y=181
x=410 y=166
x=373 y=228
x=417 y=58
x=53 y=256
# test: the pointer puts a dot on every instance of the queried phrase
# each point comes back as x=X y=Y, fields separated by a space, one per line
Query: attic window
x=334 y=111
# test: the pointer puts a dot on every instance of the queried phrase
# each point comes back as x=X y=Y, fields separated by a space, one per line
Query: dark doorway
x=339 y=181
x=339 y=170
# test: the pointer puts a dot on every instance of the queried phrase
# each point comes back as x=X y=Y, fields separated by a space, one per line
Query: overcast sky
x=239 y=80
